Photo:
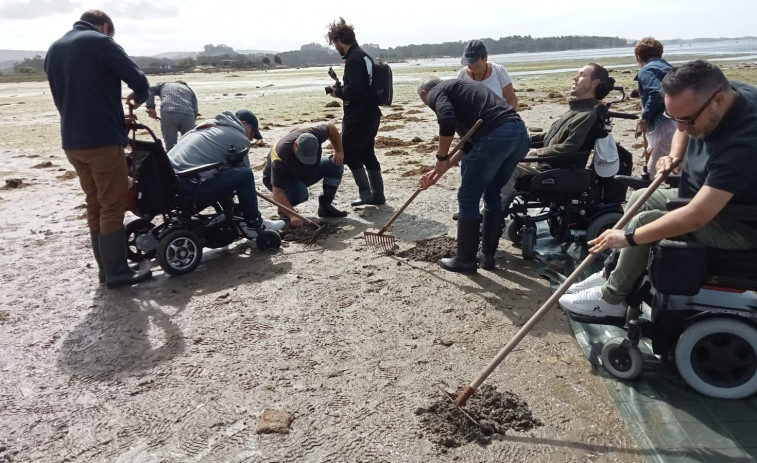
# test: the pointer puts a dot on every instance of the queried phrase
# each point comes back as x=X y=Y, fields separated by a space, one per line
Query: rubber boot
x=467 y=245
x=363 y=187
x=94 y=237
x=377 y=188
x=113 y=256
x=325 y=208
x=490 y=235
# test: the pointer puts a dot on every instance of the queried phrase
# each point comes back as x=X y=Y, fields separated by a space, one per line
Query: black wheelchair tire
x=528 y=244
x=268 y=239
x=133 y=229
x=623 y=363
x=514 y=231
x=179 y=252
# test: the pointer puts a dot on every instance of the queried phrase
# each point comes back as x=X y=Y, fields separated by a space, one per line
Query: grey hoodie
x=209 y=142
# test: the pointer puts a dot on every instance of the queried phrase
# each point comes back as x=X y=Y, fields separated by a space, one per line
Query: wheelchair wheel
x=268 y=239
x=528 y=245
x=600 y=224
x=133 y=229
x=621 y=362
x=514 y=231
x=718 y=358
x=179 y=252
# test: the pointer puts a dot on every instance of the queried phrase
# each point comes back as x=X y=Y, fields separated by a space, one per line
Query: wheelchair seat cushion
x=561 y=181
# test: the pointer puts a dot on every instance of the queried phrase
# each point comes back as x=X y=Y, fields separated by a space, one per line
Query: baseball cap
x=307 y=148
x=247 y=116
x=473 y=52
x=606 y=160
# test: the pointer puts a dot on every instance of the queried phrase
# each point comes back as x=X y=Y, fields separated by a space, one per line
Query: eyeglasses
x=693 y=119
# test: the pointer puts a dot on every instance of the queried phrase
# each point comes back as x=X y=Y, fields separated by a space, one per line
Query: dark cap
x=473 y=52
x=307 y=149
x=247 y=116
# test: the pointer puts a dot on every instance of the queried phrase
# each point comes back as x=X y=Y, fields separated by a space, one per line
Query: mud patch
x=5 y=315
x=305 y=233
x=389 y=142
x=431 y=249
x=11 y=183
x=418 y=171
x=496 y=412
x=396 y=152
x=393 y=117
x=68 y=175
x=390 y=128
x=43 y=165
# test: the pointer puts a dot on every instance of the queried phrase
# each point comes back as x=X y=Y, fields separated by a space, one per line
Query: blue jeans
x=297 y=189
x=222 y=186
x=489 y=166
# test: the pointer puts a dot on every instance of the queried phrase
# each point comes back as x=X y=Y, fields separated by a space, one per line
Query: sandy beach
x=350 y=341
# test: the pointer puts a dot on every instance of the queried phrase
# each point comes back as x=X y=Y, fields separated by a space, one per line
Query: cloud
x=140 y=9
x=36 y=9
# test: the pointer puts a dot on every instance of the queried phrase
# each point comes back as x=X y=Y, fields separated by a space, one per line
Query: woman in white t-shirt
x=492 y=75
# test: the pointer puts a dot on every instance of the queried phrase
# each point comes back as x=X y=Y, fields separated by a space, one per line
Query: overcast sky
x=147 y=27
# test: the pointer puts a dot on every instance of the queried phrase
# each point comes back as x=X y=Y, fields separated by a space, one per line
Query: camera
x=337 y=84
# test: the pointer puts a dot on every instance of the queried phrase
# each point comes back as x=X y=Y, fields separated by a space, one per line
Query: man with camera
x=716 y=141
x=361 y=114
x=295 y=162
x=226 y=138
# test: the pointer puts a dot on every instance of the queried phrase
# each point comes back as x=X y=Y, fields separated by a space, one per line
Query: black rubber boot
x=325 y=208
x=467 y=245
x=94 y=237
x=363 y=187
x=377 y=188
x=113 y=256
x=490 y=235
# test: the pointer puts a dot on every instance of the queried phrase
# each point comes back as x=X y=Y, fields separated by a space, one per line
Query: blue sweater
x=85 y=69
x=650 y=90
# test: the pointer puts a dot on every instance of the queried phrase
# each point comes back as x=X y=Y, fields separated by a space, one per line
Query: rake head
x=317 y=234
x=379 y=241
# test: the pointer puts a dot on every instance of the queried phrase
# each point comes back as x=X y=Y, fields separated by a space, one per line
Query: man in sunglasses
x=716 y=141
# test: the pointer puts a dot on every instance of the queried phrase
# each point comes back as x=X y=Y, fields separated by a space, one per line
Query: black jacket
x=359 y=105
x=85 y=69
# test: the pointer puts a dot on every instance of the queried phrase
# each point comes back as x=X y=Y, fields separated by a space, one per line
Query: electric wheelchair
x=703 y=316
x=567 y=194
x=189 y=223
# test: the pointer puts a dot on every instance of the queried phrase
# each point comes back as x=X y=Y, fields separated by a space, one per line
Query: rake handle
x=288 y=210
x=459 y=145
x=470 y=390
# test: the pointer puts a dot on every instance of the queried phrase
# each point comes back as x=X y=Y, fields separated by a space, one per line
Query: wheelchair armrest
x=537 y=144
x=576 y=157
x=196 y=170
x=636 y=183
x=735 y=212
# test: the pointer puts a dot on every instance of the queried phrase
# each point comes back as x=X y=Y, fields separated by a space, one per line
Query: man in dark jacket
x=490 y=157
x=361 y=114
x=85 y=69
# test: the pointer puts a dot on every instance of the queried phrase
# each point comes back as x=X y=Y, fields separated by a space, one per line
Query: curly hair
x=648 y=48
x=340 y=30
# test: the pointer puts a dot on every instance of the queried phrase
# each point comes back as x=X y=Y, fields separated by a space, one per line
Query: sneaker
x=248 y=230
x=597 y=279
x=275 y=225
x=592 y=308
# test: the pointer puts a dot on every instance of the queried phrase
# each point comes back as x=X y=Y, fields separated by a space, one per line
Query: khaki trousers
x=103 y=176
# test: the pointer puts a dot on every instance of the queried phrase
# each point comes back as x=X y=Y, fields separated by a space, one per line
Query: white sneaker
x=590 y=304
x=596 y=279
x=275 y=225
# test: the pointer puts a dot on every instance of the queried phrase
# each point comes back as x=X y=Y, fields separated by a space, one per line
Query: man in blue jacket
x=85 y=69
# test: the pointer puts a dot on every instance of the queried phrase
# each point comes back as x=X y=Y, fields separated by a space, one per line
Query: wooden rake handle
x=459 y=145
x=469 y=390
x=288 y=210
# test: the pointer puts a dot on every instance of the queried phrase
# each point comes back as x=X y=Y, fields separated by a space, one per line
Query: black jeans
x=358 y=139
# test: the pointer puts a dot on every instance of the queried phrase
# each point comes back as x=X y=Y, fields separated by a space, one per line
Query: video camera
x=338 y=84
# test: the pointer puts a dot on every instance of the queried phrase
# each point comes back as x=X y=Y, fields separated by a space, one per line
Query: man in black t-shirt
x=296 y=162
x=717 y=135
x=490 y=157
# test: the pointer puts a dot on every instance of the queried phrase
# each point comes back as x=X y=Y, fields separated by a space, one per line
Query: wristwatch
x=441 y=158
x=629 y=236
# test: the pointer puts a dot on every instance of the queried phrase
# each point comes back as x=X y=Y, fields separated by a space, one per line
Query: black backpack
x=382 y=86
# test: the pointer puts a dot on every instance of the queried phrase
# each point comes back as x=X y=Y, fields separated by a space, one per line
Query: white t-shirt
x=497 y=81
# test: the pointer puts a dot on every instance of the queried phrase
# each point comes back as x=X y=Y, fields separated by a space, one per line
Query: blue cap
x=247 y=116
x=307 y=149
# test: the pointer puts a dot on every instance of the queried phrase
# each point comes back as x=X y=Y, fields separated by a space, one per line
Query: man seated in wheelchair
x=226 y=138
x=574 y=131
x=717 y=144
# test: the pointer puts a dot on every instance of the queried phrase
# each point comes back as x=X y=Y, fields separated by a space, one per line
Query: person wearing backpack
x=361 y=114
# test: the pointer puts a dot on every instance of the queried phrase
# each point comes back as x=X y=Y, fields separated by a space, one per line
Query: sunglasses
x=692 y=119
